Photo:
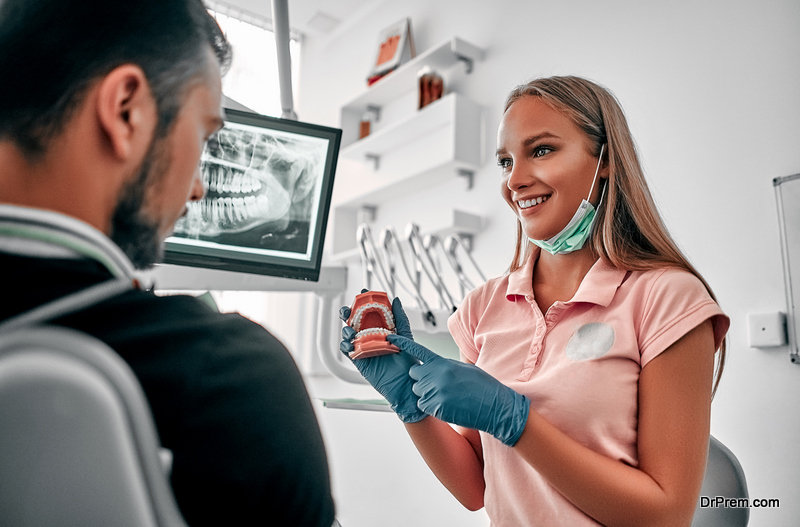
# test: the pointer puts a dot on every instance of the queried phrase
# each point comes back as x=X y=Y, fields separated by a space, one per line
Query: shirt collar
x=520 y=282
x=598 y=286
x=35 y=230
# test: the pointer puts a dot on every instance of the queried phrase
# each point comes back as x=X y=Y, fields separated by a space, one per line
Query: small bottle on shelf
x=366 y=124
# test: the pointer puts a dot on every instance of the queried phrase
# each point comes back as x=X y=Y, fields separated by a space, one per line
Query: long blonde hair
x=629 y=231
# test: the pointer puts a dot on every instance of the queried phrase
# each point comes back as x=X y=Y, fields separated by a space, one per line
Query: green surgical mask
x=574 y=235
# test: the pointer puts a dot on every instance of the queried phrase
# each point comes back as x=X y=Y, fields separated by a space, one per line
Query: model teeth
x=373 y=331
x=527 y=203
x=387 y=316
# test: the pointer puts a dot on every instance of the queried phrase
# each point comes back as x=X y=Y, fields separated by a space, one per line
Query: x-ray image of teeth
x=262 y=190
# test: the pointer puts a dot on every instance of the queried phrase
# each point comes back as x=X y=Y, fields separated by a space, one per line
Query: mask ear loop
x=594 y=180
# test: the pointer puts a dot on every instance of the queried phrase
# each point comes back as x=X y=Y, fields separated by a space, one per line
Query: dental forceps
x=415 y=242
x=451 y=243
x=389 y=241
x=371 y=262
x=429 y=244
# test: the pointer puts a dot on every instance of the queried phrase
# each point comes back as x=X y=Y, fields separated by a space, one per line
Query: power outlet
x=766 y=330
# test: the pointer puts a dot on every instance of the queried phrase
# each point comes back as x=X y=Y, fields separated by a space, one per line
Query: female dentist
x=584 y=393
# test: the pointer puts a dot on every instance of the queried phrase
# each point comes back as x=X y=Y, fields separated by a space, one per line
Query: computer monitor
x=269 y=184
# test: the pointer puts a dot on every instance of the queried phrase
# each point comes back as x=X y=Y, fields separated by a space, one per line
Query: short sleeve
x=462 y=323
x=676 y=302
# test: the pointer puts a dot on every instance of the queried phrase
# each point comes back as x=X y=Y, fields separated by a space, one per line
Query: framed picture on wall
x=395 y=47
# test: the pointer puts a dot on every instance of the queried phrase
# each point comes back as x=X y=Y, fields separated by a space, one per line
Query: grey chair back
x=77 y=441
x=78 y=445
x=724 y=480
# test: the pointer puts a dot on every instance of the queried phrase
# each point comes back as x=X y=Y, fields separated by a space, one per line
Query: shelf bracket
x=375 y=111
x=469 y=174
x=375 y=158
x=467 y=239
x=366 y=214
x=468 y=62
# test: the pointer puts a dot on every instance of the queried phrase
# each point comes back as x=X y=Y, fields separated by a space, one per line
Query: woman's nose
x=520 y=177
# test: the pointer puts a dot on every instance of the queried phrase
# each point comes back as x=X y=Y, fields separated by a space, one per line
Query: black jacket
x=226 y=395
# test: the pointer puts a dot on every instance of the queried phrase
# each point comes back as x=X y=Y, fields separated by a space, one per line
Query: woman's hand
x=388 y=373
x=464 y=394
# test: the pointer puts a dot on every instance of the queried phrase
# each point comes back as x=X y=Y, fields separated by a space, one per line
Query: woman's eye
x=504 y=163
x=540 y=151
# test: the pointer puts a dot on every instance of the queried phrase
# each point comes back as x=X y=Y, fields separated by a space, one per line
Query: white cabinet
x=409 y=149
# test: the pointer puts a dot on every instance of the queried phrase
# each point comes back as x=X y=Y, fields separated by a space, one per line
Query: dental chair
x=725 y=478
x=77 y=441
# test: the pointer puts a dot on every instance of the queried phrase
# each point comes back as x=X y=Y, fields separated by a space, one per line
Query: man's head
x=139 y=79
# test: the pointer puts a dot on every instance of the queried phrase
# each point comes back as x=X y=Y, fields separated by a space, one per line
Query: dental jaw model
x=371 y=317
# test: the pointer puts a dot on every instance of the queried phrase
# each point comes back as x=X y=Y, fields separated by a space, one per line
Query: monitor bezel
x=187 y=255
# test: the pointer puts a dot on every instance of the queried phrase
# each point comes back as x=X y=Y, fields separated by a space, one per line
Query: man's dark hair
x=51 y=51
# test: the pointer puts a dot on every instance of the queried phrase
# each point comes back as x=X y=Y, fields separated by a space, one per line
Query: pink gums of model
x=371 y=317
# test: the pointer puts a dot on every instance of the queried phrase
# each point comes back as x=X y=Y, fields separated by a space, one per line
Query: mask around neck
x=577 y=231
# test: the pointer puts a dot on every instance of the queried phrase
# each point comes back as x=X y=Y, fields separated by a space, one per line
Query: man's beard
x=135 y=233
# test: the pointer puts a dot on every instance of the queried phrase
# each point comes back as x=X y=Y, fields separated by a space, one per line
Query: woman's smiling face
x=547 y=166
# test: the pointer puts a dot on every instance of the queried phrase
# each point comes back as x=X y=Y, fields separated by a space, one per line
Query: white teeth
x=373 y=331
x=250 y=206
x=215 y=212
x=212 y=180
x=387 y=316
x=262 y=202
x=527 y=203
x=238 y=207
x=227 y=206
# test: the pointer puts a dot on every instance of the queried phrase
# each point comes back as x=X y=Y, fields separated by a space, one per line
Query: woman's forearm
x=607 y=490
x=452 y=459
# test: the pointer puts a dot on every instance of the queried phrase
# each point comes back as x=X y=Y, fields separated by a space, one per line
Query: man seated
x=104 y=110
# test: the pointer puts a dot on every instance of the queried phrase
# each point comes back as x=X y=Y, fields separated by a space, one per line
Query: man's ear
x=126 y=111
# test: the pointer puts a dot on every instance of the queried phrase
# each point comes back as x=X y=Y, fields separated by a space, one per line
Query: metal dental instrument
x=429 y=243
x=372 y=265
x=451 y=243
x=415 y=242
x=390 y=243
x=384 y=241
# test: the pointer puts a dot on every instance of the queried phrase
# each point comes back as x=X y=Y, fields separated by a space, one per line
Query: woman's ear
x=604 y=163
x=126 y=111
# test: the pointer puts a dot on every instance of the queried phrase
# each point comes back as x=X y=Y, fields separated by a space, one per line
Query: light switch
x=766 y=330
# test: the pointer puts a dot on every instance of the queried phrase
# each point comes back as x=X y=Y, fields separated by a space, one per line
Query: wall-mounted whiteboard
x=787 y=194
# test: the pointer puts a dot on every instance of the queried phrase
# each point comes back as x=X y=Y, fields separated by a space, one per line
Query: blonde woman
x=584 y=393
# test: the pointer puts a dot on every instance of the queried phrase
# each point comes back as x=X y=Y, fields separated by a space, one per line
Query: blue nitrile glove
x=464 y=394
x=388 y=373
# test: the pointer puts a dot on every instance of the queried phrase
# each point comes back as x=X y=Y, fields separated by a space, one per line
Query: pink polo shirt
x=579 y=364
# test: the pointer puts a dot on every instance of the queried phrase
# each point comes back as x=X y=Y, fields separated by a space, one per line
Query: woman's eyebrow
x=530 y=140
x=534 y=138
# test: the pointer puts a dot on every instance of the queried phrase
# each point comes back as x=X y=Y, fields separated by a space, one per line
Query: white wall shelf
x=392 y=86
x=410 y=150
x=403 y=163
x=436 y=115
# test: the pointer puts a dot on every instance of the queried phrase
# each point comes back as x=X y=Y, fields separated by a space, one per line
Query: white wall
x=712 y=93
